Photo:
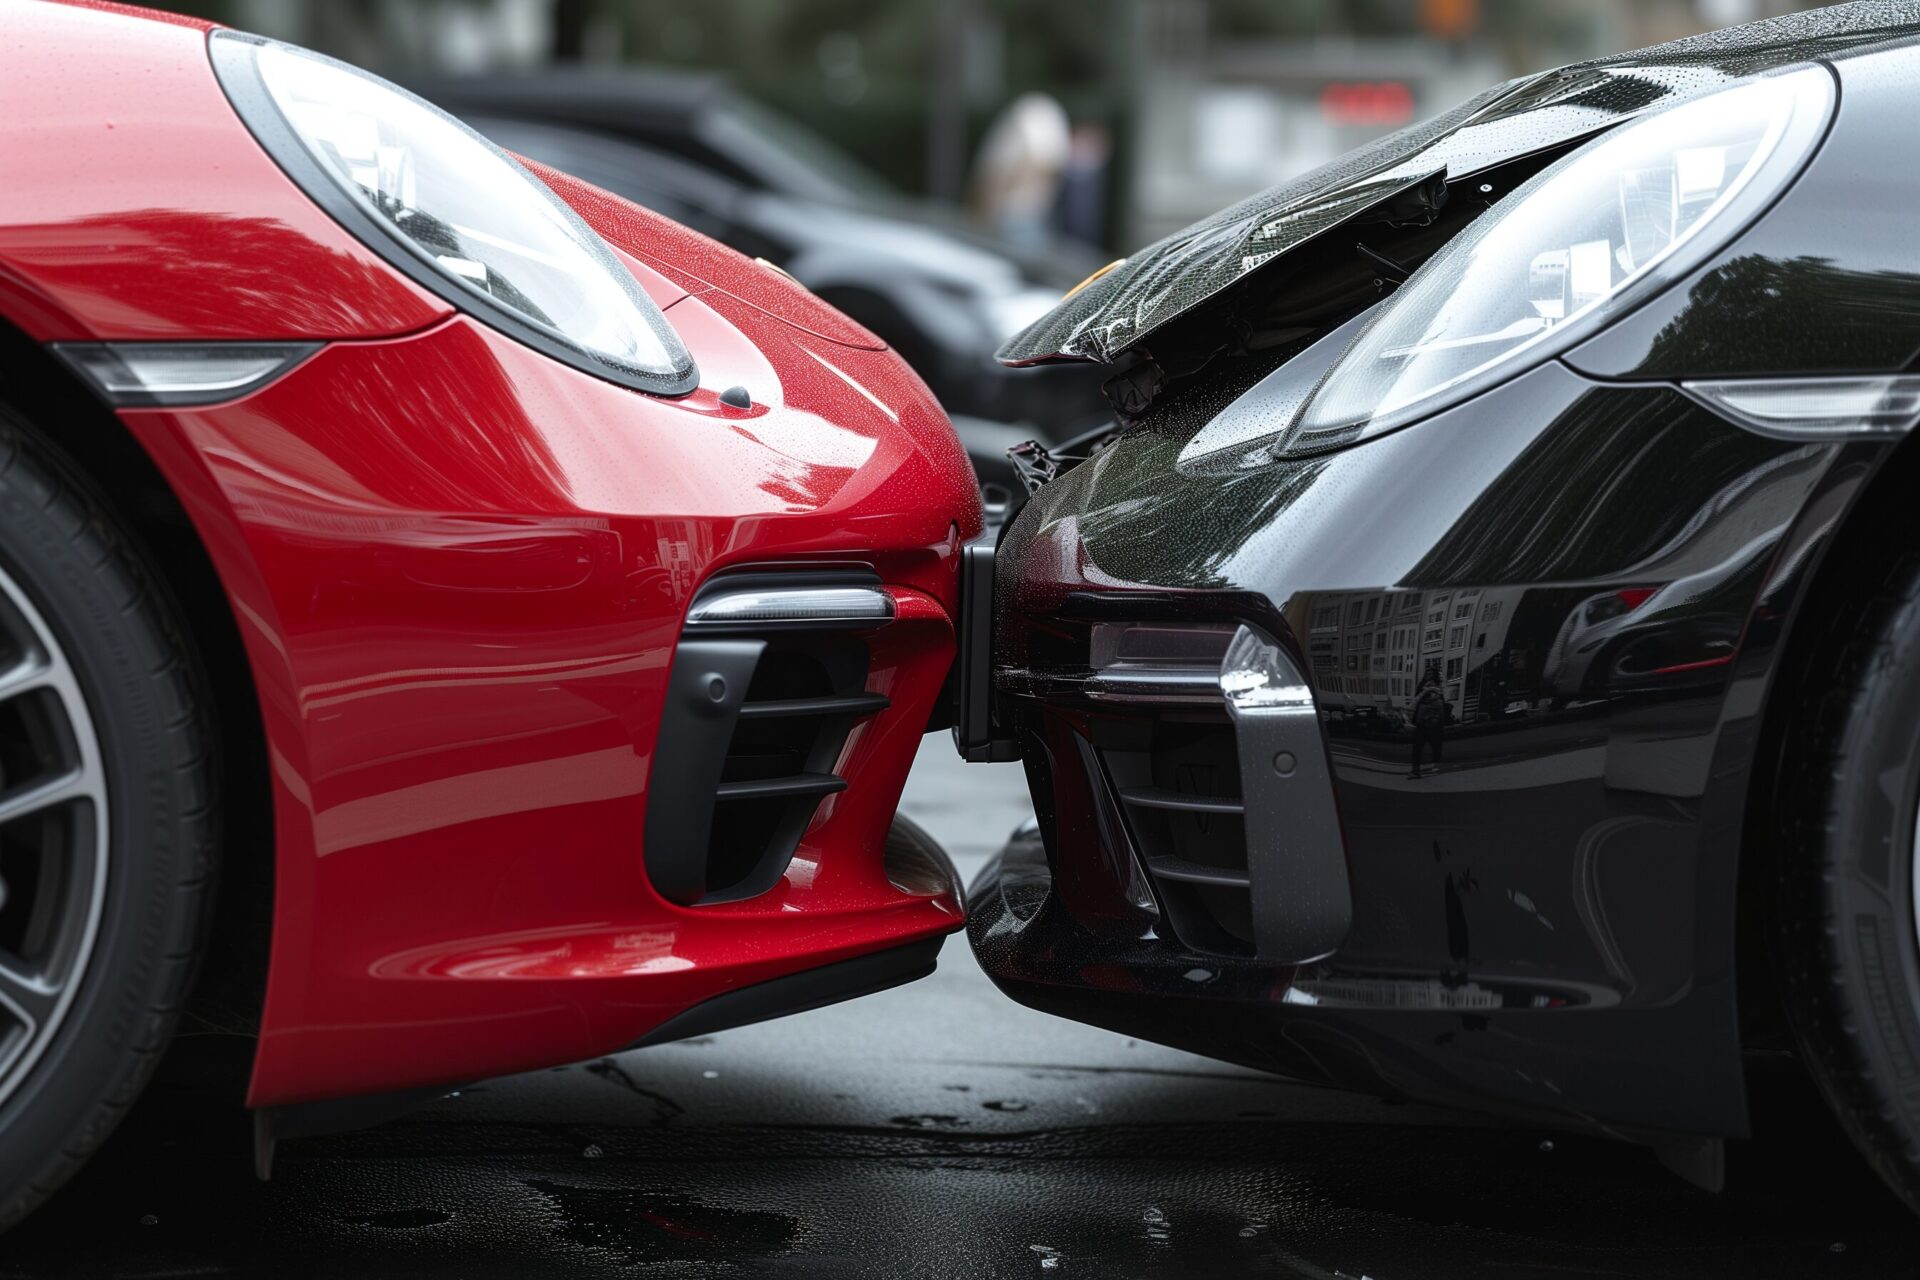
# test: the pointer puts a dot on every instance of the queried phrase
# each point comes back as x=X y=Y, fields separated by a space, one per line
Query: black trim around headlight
x=236 y=68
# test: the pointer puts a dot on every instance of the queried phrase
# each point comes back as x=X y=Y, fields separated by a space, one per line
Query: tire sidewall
x=1873 y=943
x=105 y=622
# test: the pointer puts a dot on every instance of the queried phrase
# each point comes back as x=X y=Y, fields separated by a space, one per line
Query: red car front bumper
x=460 y=572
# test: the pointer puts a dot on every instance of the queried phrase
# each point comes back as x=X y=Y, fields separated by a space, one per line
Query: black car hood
x=1399 y=178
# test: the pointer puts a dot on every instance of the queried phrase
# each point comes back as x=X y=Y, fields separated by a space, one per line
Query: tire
x=1844 y=904
x=111 y=918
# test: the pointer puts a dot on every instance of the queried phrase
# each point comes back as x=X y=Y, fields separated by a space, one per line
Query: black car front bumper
x=1543 y=919
x=1610 y=583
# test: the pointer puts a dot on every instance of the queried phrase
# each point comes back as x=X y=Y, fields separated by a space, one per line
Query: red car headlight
x=451 y=210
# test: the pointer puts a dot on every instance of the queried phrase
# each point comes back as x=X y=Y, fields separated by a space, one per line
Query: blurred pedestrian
x=1016 y=175
x=1429 y=719
x=1083 y=183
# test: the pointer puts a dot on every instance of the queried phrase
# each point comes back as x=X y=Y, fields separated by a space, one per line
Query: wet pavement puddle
x=938 y=1131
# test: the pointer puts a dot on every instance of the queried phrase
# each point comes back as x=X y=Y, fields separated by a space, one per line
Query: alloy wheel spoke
x=53 y=765
x=27 y=998
x=24 y=676
x=44 y=793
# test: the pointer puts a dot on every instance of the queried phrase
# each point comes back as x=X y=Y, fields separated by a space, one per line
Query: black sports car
x=688 y=146
x=1484 y=665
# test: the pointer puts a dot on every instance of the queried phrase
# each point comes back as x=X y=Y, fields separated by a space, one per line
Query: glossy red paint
x=459 y=569
x=136 y=205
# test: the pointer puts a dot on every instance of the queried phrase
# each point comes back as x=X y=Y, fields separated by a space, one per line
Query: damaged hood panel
x=1401 y=178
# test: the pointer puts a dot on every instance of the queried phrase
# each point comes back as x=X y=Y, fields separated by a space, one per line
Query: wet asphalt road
x=940 y=1130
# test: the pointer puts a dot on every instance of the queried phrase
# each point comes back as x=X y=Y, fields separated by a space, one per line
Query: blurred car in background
x=941 y=295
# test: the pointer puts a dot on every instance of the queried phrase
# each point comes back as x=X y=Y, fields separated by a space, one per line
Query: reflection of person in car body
x=1429 y=718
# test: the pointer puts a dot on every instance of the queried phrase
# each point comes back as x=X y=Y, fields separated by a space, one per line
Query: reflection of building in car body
x=1500 y=651
x=1370 y=650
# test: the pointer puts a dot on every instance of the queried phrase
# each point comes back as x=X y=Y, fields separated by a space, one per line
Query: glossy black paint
x=1552 y=867
x=1827 y=282
x=1604 y=575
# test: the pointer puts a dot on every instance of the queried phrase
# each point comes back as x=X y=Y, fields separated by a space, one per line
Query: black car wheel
x=106 y=821
x=1846 y=903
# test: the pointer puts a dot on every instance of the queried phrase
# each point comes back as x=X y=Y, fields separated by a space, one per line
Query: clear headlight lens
x=452 y=210
x=1587 y=238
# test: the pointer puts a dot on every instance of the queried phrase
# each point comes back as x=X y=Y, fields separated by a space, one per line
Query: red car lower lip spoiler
x=808 y=989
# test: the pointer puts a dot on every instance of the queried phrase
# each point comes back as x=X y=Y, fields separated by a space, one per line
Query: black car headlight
x=454 y=212
x=1587 y=238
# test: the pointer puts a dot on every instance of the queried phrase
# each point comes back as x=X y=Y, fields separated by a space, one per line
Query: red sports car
x=522 y=609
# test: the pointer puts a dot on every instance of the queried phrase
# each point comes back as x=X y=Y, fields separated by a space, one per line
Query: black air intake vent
x=1182 y=799
x=1209 y=752
x=767 y=683
x=1167 y=748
